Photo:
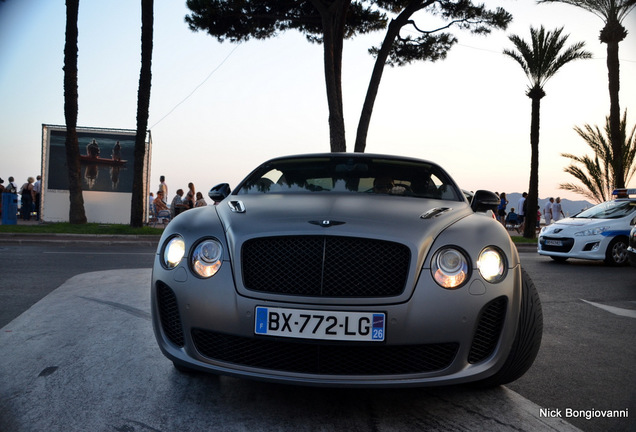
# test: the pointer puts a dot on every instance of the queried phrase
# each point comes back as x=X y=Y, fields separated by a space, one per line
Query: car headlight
x=450 y=268
x=491 y=264
x=592 y=231
x=173 y=252
x=206 y=258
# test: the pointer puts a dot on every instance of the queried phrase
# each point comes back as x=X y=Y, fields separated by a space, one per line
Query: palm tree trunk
x=532 y=202
x=143 y=108
x=615 y=114
x=77 y=214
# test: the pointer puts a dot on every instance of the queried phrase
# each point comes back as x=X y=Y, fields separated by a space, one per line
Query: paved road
x=586 y=360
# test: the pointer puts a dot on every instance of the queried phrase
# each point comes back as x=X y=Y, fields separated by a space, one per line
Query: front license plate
x=554 y=243
x=313 y=324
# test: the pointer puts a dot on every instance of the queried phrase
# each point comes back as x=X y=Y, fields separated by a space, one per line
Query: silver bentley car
x=345 y=270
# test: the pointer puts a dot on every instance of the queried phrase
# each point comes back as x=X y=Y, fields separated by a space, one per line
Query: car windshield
x=608 y=210
x=342 y=174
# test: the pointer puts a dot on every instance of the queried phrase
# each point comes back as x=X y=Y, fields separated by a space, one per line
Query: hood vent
x=434 y=212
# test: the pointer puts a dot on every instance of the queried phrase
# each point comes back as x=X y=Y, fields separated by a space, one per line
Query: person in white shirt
x=37 y=191
x=557 y=210
x=547 y=212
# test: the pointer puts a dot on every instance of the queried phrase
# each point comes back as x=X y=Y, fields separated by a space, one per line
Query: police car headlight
x=592 y=231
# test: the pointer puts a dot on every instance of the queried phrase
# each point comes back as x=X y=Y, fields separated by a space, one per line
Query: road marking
x=630 y=313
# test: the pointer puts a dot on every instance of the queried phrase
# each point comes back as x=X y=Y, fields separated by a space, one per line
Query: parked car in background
x=347 y=270
x=598 y=233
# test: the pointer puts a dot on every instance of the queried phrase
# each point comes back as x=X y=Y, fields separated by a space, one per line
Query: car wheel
x=616 y=254
x=559 y=258
x=527 y=340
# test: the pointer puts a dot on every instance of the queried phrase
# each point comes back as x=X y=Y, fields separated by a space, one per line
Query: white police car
x=631 y=250
x=599 y=233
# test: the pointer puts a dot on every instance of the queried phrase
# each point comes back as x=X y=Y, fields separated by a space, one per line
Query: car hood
x=411 y=221
x=570 y=225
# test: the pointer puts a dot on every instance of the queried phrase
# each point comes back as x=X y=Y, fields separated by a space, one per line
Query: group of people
x=179 y=203
x=552 y=212
x=30 y=194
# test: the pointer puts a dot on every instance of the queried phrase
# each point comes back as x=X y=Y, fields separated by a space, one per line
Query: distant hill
x=570 y=208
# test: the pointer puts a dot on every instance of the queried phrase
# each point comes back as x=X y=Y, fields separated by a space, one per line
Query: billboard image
x=106 y=158
x=107 y=169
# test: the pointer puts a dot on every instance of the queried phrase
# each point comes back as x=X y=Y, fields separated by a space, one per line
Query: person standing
x=163 y=187
x=557 y=210
x=1 y=192
x=26 y=191
x=37 y=194
x=547 y=211
x=501 y=210
x=190 y=197
x=521 y=208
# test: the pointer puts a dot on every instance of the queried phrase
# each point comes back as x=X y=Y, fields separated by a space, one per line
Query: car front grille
x=565 y=246
x=491 y=321
x=325 y=266
x=324 y=359
x=169 y=314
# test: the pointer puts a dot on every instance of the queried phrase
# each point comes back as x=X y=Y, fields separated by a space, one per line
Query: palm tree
x=597 y=173
x=77 y=214
x=612 y=12
x=540 y=60
x=143 y=107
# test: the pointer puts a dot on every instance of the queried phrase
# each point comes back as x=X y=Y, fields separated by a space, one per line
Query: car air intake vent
x=325 y=266
x=488 y=330
x=169 y=314
x=324 y=359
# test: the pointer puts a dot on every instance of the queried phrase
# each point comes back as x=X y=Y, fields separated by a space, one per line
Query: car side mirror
x=219 y=192
x=485 y=200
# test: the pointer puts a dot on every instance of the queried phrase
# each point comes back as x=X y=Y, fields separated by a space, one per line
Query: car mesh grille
x=488 y=330
x=169 y=314
x=324 y=359
x=324 y=266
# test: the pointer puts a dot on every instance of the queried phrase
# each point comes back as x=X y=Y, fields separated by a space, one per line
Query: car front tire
x=616 y=254
x=527 y=339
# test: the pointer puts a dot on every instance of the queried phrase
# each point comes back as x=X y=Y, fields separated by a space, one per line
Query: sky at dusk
x=219 y=109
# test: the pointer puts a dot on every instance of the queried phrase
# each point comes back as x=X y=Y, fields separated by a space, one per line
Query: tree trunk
x=143 y=108
x=333 y=21
x=532 y=201
x=392 y=33
x=615 y=114
x=77 y=214
x=374 y=84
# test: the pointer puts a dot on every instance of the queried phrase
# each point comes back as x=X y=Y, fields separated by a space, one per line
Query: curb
x=84 y=239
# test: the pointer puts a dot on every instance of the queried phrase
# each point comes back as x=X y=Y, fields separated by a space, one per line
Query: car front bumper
x=583 y=247
x=436 y=337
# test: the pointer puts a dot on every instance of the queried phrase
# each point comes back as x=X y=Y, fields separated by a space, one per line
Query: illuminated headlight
x=173 y=252
x=491 y=264
x=592 y=231
x=207 y=258
x=450 y=268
